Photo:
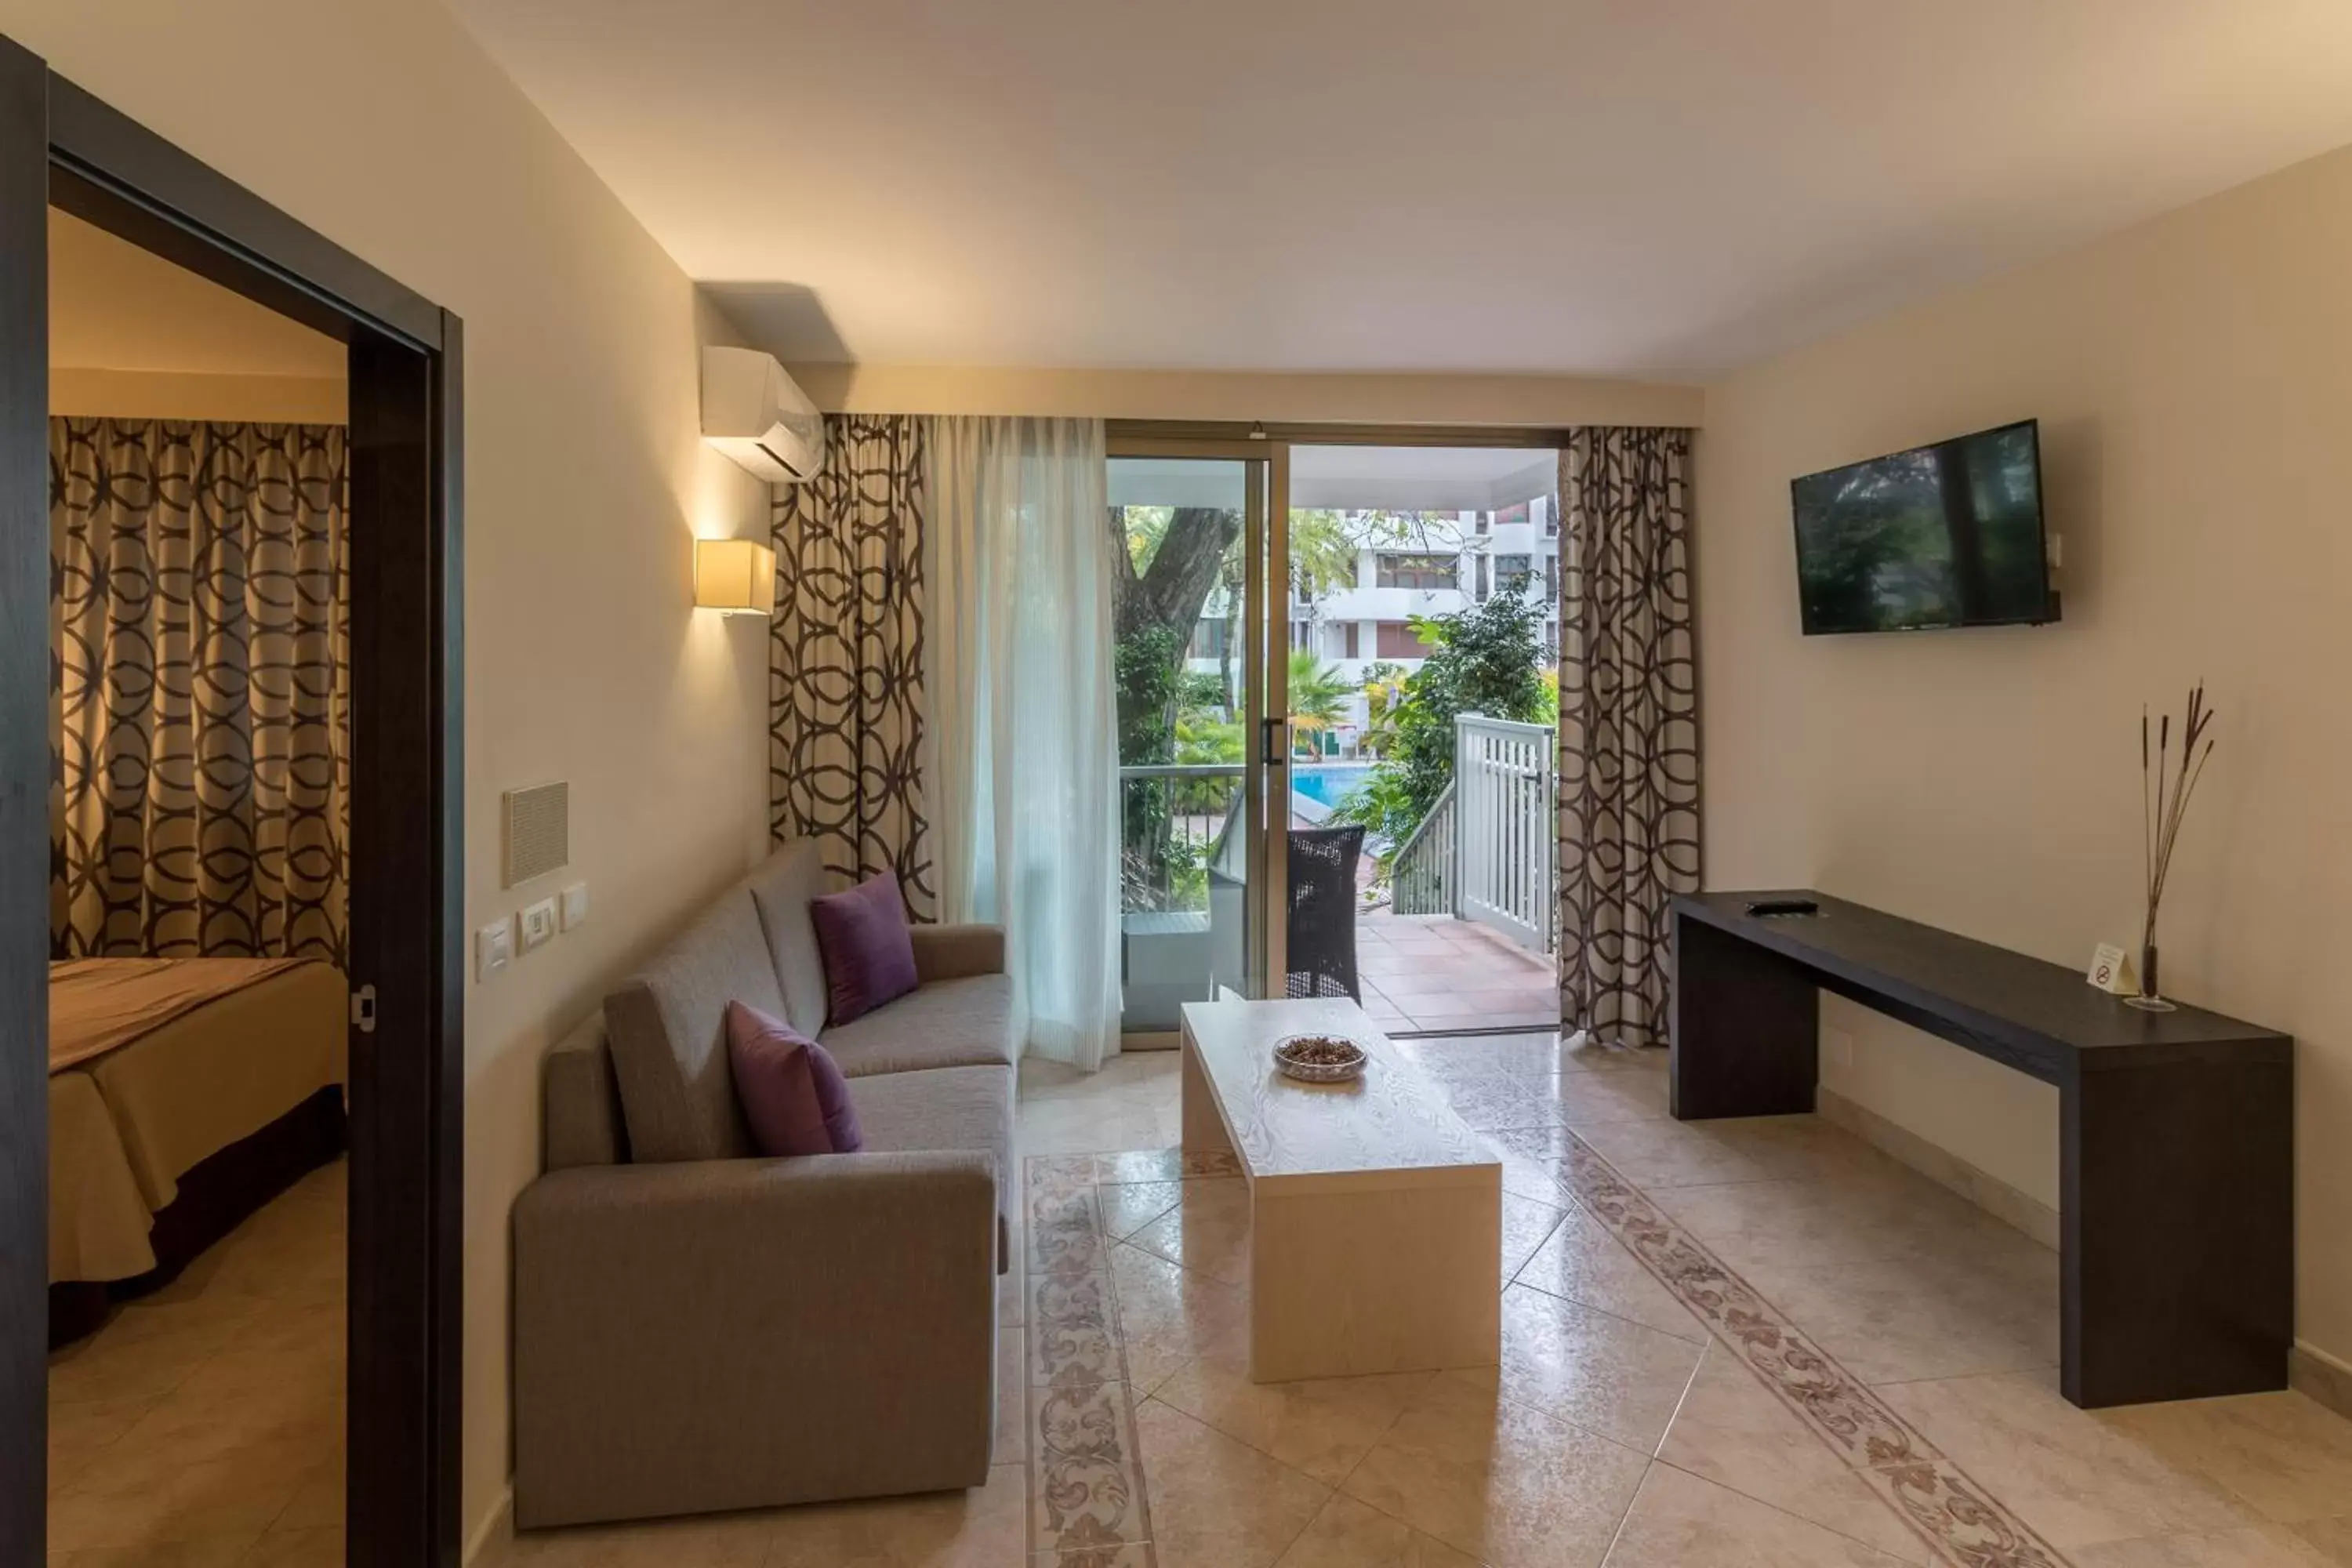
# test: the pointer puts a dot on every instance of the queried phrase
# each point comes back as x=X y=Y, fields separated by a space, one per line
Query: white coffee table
x=1376 y=1213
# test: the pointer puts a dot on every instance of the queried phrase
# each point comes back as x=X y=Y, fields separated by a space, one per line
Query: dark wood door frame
x=59 y=144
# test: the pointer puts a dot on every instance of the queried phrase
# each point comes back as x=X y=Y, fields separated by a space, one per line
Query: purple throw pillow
x=869 y=955
x=791 y=1088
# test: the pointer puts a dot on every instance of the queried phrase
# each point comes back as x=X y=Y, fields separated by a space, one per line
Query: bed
x=183 y=1094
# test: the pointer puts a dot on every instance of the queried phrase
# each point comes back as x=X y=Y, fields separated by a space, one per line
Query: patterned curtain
x=846 y=657
x=1628 y=837
x=200 y=787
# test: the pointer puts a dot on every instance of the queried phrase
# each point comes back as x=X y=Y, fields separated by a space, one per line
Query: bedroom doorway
x=229 y=731
x=199 y=904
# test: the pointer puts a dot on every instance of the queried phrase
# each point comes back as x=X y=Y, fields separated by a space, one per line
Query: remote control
x=1764 y=907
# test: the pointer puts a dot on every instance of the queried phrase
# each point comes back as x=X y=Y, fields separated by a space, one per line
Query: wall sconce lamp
x=734 y=576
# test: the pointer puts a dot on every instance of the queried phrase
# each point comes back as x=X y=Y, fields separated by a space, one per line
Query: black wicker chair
x=1321 y=926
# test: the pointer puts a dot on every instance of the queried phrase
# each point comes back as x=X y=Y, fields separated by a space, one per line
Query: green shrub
x=1487 y=659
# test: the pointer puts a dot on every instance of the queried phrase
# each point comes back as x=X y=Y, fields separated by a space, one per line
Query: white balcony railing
x=1180 y=889
x=1174 y=823
x=1421 y=878
x=1489 y=851
x=1506 y=843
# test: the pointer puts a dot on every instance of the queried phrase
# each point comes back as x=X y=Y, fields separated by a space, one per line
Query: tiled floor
x=203 y=1427
x=1757 y=1343
x=1888 y=1397
x=1425 y=973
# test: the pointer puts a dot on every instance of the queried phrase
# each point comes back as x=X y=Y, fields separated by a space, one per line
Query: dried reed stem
x=2162 y=813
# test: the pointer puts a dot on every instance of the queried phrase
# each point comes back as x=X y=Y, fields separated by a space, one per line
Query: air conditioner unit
x=752 y=412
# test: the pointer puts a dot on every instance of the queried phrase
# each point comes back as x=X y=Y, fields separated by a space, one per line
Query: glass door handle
x=1274 y=741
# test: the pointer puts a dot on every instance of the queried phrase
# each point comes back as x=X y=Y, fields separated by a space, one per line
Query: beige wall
x=1520 y=401
x=2193 y=377
x=113 y=306
x=189 y=395
x=379 y=124
x=132 y=336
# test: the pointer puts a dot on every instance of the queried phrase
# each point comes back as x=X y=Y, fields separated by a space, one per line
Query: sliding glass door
x=1195 y=528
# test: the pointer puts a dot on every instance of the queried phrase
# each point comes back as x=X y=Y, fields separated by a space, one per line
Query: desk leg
x=1747 y=1027
x=2177 y=1218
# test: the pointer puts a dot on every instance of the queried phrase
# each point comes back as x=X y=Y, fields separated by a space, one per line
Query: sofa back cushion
x=782 y=888
x=869 y=955
x=667 y=1028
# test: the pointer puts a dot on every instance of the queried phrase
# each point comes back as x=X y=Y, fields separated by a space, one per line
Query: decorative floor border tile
x=1957 y=1518
x=1086 y=1491
x=1088 y=1504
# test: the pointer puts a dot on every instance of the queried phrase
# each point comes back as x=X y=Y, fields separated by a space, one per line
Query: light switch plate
x=538 y=924
x=575 y=905
x=1837 y=1048
x=493 y=949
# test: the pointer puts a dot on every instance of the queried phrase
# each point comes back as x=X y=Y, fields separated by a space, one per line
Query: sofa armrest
x=745 y=1333
x=582 y=1104
x=957 y=952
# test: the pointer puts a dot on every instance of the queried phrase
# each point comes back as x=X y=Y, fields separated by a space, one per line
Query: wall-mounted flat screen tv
x=1948 y=535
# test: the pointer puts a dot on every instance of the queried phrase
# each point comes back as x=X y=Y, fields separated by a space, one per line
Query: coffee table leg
x=1204 y=1129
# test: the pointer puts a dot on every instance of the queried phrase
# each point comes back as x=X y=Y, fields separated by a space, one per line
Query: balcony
x=1438 y=975
x=1181 y=911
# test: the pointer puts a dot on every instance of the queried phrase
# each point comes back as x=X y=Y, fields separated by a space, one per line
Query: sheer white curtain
x=1026 y=750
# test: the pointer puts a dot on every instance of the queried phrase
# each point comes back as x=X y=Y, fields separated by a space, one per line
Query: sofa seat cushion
x=968 y=1108
x=947 y=1024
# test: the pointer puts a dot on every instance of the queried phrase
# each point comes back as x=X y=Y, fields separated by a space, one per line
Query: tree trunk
x=1171 y=590
x=1162 y=601
x=1230 y=581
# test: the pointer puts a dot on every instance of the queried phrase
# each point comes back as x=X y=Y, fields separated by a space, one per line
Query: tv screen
x=1948 y=535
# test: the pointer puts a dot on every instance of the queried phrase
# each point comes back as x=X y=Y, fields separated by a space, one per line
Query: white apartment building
x=1446 y=561
x=1460 y=559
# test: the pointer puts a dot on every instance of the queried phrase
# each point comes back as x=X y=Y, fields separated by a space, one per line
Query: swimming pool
x=1326 y=784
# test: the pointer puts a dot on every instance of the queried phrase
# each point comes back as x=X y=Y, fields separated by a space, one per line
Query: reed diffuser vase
x=2165 y=789
x=2150 y=996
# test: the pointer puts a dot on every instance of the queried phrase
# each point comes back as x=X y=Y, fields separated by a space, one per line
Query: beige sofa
x=697 y=1328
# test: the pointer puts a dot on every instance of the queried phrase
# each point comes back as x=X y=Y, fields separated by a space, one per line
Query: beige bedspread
x=98 y=1216
x=223 y=1072
x=98 y=1005
x=125 y=1126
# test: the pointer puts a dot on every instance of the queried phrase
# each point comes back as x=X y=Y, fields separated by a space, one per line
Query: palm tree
x=1318 y=693
x=1384 y=694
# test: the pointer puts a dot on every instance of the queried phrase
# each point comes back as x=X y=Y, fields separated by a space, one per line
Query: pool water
x=1326 y=784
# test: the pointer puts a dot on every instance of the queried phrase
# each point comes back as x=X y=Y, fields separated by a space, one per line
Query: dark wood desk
x=2177 y=1130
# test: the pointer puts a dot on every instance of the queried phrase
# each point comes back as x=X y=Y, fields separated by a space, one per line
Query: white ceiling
x=1591 y=186
x=1420 y=478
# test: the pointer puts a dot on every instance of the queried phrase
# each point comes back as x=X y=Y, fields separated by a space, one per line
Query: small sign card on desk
x=2111 y=971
